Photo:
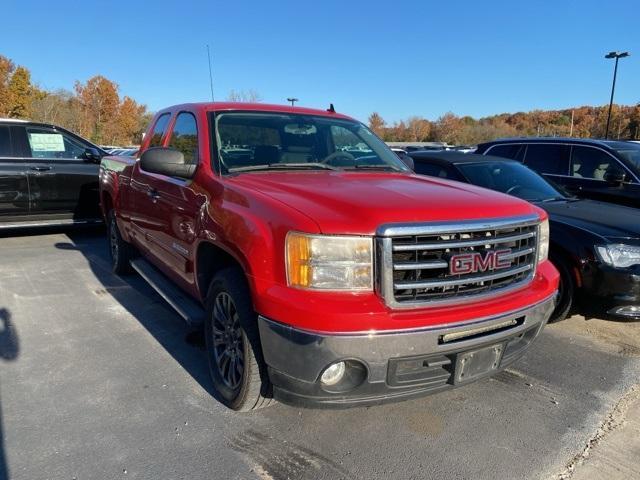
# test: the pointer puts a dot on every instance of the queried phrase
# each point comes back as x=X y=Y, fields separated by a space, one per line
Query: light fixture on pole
x=292 y=100
x=617 y=56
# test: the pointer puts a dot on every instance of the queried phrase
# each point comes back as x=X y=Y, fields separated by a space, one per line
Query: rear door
x=550 y=160
x=14 y=187
x=61 y=180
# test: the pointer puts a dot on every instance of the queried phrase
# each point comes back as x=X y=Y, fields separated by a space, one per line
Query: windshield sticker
x=46 y=142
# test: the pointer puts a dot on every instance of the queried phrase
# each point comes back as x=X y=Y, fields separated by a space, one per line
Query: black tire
x=566 y=291
x=234 y=352
x=121 y=251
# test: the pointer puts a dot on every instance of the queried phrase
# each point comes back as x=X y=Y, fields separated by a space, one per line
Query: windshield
x=631 y=154
x=512 y=178
x=266 y=141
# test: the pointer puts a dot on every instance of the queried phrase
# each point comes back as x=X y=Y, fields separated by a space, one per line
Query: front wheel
x=234 y=353
x=566 y=291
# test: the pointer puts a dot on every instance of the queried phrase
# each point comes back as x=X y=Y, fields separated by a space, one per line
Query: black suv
x=48 y=176
x=594 y=245
x=604 y=170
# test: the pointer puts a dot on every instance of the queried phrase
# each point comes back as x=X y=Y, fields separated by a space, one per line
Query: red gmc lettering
x=476 y=262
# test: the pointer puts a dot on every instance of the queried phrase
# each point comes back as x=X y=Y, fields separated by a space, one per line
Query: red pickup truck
x=324 y=272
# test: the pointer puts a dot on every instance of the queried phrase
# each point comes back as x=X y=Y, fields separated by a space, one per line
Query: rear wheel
x=566 y=291
x=234 y=353
x=121 y=252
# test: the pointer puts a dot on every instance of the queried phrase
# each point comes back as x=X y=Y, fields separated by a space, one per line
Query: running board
x=185 y=306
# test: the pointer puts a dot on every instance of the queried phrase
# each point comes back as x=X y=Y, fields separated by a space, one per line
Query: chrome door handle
x=153 y=194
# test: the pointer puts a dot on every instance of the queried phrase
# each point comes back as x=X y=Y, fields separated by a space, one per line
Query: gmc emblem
x=473 y=262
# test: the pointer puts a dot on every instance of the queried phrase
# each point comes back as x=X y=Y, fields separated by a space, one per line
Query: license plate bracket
x=477 y=363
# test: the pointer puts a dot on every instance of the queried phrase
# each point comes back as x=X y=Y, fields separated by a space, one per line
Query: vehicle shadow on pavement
x=133 y=294
x=9 y=349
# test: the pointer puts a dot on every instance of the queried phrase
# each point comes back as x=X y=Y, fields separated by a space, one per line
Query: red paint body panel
x=248 y=216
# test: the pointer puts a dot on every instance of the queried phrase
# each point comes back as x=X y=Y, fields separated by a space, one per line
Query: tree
x=250 y=96
x=128 y=121
x=99 y=102
x=6 y=70
x=376 y=124
x=418 y=129
x=20 y=94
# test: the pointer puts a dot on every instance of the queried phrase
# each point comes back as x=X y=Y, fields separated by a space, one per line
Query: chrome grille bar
x=462 y=281
x=463 y=243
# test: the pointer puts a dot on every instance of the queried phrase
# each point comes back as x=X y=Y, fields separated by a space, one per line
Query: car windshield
x=631 y=154
x=281 y=141
x=512 y=178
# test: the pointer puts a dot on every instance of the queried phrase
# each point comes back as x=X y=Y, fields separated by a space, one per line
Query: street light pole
x=617 y=56
x=292 y=100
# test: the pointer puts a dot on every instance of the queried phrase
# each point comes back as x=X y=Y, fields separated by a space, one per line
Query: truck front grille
x=449 y=262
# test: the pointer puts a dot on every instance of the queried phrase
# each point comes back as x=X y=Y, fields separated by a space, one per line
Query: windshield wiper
x=365 y=166
x=554 y=199
x=283 y=166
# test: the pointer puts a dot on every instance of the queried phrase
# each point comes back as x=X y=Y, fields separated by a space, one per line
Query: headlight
x=619 y=255
x=329 y=262
x=543 y=241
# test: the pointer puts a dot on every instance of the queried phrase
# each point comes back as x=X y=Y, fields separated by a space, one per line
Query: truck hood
x=359 y=202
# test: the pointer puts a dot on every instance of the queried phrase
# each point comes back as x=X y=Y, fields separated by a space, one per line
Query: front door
x=62 y=181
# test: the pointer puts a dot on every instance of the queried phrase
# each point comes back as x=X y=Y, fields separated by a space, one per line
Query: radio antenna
x=210 y=74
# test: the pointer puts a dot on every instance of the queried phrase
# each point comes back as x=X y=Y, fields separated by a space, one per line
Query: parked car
x=322 y=278
x=605 y=170
x=48 y=176
x=594 y=245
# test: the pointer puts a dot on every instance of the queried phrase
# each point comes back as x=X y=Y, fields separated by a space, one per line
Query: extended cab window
x=49 y=143
x=552 y=159
x=588 y=162
x=159 y=129
x=5 y=142
x=185 y=137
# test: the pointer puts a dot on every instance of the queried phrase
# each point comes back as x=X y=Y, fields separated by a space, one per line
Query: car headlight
x=543 y=241
x=619 y=255
x=329 y=262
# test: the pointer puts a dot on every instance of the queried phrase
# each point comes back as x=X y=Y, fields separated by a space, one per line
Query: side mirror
x=407 y=160
x=615 y=177
x=166 y=161
x=92 y=154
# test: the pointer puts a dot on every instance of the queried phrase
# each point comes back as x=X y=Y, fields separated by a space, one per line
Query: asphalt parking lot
x=100 y=379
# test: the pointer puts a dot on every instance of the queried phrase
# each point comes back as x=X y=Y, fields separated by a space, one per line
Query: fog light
x=333 y=374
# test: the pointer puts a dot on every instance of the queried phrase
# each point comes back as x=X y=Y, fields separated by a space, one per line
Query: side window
x=431 y=169
x=548 y=158
x=587 y=162
x=185 y=137
x=509 y=150
x=159 y=129
x=49 y=143
x=5 y=142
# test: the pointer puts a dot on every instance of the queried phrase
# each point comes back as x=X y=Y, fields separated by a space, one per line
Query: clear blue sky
x=400 y=58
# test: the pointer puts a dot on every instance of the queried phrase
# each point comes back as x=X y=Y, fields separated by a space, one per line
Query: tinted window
x=159 y=130
x=185 y=137
x=587 y=162
x=548 y=158
x=512 y=151
x=632 y=154
x=5 y=142
x=431 y=169
x=509 y=177
x=49 y=143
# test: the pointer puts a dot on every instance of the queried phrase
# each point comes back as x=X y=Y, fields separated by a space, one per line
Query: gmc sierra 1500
x=324 y=271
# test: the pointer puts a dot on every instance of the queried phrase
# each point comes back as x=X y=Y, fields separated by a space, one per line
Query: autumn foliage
x=94 y=109
x=588 y=122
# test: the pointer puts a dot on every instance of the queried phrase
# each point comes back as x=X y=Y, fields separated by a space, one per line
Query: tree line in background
x=93 y=109
x=587 y=122
x=96 y=111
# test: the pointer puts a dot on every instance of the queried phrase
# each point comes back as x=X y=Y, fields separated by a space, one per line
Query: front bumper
x=611 y=291
x=391 y=366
